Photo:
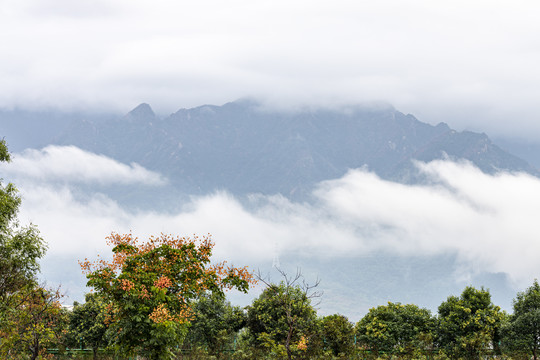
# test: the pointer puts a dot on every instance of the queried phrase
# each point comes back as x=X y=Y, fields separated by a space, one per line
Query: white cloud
x=472 y=65
x=488 y=222
x=71 y=164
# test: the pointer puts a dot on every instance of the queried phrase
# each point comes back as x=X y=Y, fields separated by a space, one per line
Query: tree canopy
x=37 y=322
x=26 y=310
x=149 y=288
x=522 y=333
x=87 y=323
x=214 y=324
x=469 y=324
x=394 y=328
x=283 y=315
x=20 y=246
x=338 y=335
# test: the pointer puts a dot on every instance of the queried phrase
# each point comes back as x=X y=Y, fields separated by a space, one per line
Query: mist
x=486 y=223
x=472 y=65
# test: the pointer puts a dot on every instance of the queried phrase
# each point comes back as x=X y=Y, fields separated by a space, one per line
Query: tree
x=20 y=247
x=338 y=334
x=215 y=323
x=522 y=333
x=87 y=323
x=469 y=324
x=394 y=328
x=283 y=314
x=38 y=322
x=149 y=287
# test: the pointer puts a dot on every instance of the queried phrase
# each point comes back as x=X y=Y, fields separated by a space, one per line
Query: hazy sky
x=472 y=64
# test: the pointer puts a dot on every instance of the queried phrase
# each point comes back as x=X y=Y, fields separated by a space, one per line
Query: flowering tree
x=149 y=288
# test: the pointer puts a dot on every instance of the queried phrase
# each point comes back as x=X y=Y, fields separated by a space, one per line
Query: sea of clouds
x=488 y=222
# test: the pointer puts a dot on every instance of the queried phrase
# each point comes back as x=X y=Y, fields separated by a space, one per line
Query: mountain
x=24 y=128
x=244 y=148
x=526 y=149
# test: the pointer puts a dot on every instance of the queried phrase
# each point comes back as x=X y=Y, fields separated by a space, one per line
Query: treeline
x=468 y=326
x=163 y=299
x=282 y=323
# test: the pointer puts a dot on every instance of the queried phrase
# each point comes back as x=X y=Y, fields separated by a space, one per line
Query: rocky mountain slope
x=244 y=148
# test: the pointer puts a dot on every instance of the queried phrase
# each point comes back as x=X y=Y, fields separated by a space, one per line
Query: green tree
x=522 y=332
x=215 y=323
x=149 y=288
x=87 y=323
x=469 y=324
x=338 y=335
x=395 y=328
x=20 y=247
x=38 y=322
x=283 y=315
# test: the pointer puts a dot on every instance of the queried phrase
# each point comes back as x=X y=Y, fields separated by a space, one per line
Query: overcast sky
x=472 y=64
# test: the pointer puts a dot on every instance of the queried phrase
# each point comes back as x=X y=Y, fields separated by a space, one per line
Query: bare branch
x=286 y=295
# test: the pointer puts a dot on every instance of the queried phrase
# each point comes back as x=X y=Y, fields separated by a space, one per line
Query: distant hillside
x=244 y=149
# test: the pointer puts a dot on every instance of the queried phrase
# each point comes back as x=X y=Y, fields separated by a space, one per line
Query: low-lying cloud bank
x=73 y=165
x=488 y=222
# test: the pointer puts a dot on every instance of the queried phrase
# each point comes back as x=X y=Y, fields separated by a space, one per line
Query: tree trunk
x=288 y=343
x=35 y=352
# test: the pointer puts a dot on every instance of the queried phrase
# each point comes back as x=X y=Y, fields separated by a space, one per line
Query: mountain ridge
x=245 y=148
x=242 y=149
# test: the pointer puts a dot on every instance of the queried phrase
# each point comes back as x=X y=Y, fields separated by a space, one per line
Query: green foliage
x=469 y=325
x=338 y=335
x=37 y=321
x=20 y=247
x=87 y=326
x=215 y=324
x=395 y=328
x=265 y=349
x=149 y=287
x=522 y=331
x=282 y=317
x=4 y=153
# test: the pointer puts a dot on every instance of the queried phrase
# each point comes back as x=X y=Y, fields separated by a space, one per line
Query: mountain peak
x=142 y=111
